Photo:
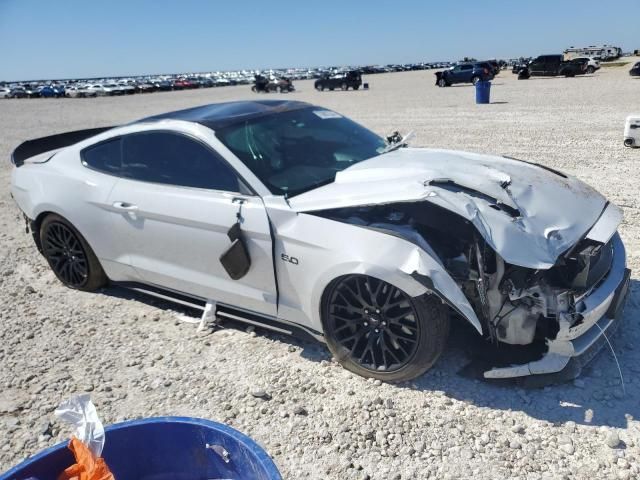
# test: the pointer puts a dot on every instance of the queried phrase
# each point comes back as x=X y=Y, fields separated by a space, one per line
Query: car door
x=466 y=71
x=537 y=67
x=178 y=200
x=453 y=75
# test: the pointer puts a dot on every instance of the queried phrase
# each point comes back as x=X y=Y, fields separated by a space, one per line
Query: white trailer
x=604 y=52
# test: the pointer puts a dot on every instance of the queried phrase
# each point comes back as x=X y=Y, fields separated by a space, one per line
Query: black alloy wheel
x=375 y=321
x=375 y=329
x=65 y=255
x=69 y=255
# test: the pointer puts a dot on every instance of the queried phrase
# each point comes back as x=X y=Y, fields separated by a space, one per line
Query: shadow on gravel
x=596 y=397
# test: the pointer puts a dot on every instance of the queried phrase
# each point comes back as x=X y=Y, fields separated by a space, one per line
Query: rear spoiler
x=31 y=148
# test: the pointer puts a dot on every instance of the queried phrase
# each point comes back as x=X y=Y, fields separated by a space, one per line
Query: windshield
x=296 y=151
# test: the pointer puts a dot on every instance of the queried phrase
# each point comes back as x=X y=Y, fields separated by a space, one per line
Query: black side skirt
x=227 y=312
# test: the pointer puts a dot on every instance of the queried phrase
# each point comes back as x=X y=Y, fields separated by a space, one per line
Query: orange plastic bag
x=87 y=466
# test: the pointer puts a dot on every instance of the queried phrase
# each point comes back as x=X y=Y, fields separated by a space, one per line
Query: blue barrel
x=483 y=91
x=163 y=448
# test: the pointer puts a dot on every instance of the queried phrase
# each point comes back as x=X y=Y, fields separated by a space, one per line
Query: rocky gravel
x=137 y=359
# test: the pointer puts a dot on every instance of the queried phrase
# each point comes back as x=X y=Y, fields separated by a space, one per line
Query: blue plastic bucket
x=163 y=448
x=483 y=91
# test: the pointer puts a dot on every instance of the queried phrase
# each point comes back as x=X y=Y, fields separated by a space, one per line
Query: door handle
x=127 y=207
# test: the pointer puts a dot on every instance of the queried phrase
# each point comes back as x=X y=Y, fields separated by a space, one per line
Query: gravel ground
x=317 y=420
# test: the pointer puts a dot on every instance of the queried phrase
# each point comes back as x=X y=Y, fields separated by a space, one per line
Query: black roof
x=219 y=115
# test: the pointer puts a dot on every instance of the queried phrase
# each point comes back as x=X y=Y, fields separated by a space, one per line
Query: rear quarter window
x=105 y=157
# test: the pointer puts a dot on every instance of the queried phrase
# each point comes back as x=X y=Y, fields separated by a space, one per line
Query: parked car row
x=112 y=87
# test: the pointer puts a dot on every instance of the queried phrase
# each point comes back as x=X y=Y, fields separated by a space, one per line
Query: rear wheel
x=376 y=330
x=590 y=69
x=69 y=255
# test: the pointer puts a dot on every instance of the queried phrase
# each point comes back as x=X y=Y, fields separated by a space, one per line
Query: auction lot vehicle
x=635 y=70
x=632 y=131
x=592 y=64
x=18 y=92
x=552 y=66
x=464 y=73
x=343 y=81
x=290 y=216
x=4 y=92
x=266 y=85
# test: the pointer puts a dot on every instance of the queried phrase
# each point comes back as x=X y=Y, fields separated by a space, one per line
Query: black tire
x=376 y=330
x=442 y=82
x=69 y=255
x=356 y=87
x=590 y=69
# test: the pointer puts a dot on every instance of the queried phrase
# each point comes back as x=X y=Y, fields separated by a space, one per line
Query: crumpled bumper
x=579 y=340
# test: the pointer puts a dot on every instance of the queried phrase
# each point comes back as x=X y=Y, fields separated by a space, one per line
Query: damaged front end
x=566 y=309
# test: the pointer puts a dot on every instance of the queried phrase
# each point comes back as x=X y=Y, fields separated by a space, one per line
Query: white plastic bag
x=80 y=412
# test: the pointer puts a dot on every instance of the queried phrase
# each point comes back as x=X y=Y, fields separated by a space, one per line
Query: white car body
x=95 y=90
x=592 y=63
x=172 y=237
x=4 y=92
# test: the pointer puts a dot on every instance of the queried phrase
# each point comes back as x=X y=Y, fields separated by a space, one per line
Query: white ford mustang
x=290 y=216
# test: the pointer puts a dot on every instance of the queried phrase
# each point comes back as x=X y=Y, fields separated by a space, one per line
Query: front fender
x=310 y=251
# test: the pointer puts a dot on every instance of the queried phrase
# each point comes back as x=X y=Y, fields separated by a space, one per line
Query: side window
x=105 y=157
x=467 y=67
x=174 y=159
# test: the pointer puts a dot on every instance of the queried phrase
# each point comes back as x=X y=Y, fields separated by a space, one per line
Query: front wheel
x=442 y=82
x=376 y=330
x=69 y=255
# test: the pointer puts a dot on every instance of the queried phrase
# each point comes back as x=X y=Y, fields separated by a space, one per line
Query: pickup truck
x=551 y=66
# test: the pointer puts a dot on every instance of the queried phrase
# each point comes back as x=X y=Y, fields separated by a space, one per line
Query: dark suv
x=464 y=73
x=351 y=79
x=552 y=65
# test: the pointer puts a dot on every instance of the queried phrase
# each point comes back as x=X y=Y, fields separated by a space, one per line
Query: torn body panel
x=528 y=214
x=332 y=248
x=527 y=268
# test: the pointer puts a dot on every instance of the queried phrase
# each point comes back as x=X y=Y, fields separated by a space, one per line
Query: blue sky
x=72 y=38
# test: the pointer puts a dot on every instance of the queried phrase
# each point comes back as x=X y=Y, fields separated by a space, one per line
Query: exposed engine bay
x=516 y=305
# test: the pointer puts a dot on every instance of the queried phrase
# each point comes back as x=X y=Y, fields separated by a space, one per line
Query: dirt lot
x=137 y=359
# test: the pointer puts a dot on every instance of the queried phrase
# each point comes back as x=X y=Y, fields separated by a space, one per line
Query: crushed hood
x=527 y=213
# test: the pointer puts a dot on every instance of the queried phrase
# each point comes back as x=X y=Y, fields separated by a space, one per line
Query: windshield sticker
x=324 y=114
